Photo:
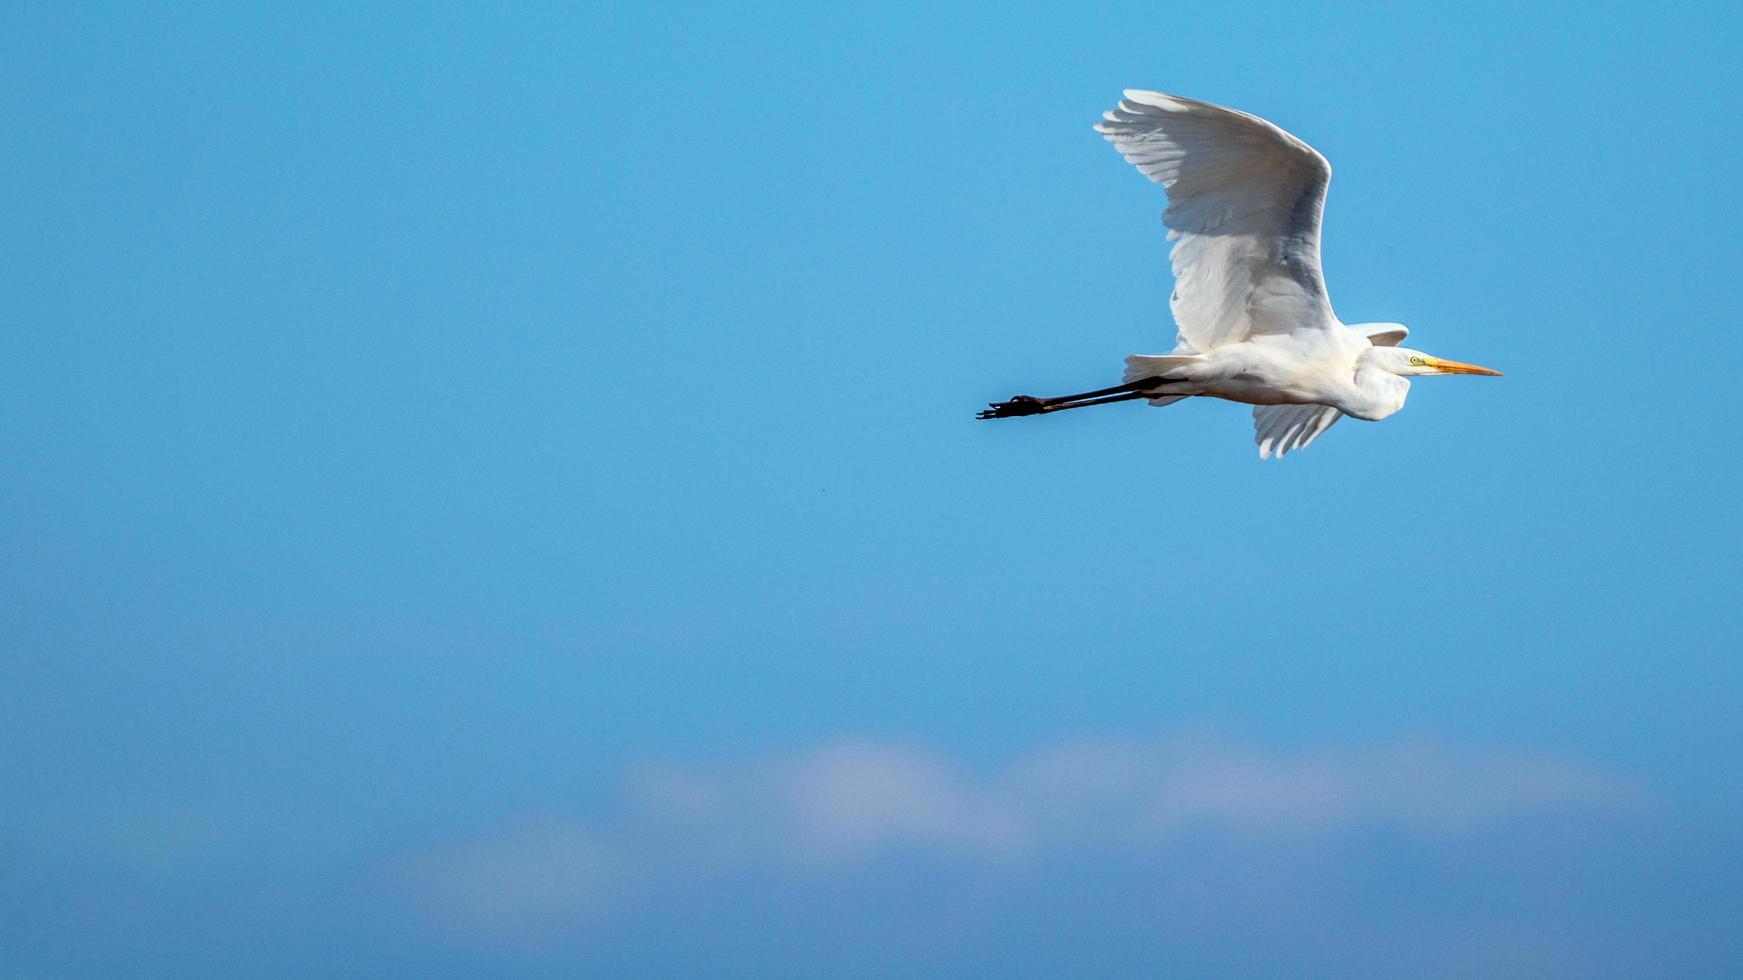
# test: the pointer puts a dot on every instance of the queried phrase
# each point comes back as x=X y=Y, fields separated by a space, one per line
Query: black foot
x=1017 y=407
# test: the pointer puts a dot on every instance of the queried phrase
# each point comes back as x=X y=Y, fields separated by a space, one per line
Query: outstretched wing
x=1382 y=334
x=1281 y=428
x=1244 y=208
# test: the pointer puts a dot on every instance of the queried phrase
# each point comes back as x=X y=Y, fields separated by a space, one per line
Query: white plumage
x=1244 y=203
x=1255 y=322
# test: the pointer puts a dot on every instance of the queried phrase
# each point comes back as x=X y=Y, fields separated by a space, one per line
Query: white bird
x=1255 y=323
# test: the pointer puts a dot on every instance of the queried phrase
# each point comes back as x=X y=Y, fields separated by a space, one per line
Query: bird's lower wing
x=1281 y=428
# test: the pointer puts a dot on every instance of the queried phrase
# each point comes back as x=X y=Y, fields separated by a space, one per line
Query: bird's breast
x=1260 y=376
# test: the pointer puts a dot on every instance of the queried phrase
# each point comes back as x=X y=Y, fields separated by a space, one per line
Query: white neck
x=1374 y=392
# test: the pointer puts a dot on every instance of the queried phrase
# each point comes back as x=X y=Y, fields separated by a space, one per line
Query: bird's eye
x=1416 y=362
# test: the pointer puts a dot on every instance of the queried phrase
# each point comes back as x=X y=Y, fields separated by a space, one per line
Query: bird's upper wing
x=1281 y=428
x=1245 y=200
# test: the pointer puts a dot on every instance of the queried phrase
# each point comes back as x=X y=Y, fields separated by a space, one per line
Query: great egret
x=1244 y=206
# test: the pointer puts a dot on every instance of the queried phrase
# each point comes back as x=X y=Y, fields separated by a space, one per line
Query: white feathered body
x=1255 y=322
x=1321 y=367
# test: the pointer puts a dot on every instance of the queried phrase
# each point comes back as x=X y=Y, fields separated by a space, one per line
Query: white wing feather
x=1382 y=334
x=1282 y=428
x=1245 y=200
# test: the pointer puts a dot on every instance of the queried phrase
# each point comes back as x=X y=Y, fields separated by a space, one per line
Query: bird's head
x=1409 y=363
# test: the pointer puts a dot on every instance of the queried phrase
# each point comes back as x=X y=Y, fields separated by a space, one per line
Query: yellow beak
x=1459 y=367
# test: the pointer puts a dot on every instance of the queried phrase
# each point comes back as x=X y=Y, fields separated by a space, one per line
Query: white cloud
x=840 y=807
x=837 y=803
x=518 y=885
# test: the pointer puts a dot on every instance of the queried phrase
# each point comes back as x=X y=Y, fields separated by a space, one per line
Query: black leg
x=1109 y=400
x=1021 y=405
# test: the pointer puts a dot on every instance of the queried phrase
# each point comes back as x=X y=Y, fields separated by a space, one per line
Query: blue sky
x=493 y=491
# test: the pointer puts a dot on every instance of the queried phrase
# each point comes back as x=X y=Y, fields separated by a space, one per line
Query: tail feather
x=1141 y=366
